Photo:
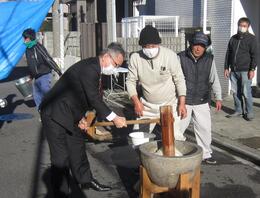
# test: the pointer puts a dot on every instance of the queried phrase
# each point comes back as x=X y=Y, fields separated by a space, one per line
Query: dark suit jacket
x=76 y=92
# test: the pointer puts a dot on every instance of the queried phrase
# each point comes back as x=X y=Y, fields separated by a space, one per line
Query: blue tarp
x=15 y=17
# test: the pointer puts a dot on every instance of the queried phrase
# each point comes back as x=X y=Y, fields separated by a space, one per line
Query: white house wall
x=190 y=11
x=219 y=19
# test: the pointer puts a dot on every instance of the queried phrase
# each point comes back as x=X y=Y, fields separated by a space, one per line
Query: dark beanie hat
x=149 y=35
x=200 y=38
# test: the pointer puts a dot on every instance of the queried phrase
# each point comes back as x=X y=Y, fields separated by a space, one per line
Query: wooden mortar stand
x=185 y=187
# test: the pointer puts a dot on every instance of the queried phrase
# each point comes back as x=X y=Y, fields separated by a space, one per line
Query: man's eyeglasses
x=116 y=65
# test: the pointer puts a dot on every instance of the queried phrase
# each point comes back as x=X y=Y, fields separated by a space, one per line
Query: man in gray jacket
x=201 y=76
x=158 y=71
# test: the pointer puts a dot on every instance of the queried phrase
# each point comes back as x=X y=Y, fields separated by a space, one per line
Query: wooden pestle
x=167 y=121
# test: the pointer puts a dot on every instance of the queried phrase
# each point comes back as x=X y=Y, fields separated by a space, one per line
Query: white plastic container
x=138 y=138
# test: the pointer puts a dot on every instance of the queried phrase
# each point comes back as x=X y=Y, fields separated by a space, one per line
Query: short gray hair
x=114 y=49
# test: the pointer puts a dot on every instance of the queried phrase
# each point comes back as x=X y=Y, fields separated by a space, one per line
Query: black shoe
x=95 y=185
x=236 y=114
x=210 y=161
x=249 y=117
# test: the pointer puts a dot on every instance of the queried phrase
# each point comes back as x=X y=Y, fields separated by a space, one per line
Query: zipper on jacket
x=235 y=58
x=196 y=79
x=194 y=95
x=150 y=63
x=36 y=58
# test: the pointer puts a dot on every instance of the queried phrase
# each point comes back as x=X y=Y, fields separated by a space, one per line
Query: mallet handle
x=129 y=122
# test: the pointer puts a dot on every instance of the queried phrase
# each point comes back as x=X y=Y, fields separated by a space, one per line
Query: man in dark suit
x=63 y=110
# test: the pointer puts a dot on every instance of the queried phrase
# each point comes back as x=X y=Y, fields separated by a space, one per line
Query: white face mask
x=109 y=70
x=242 y=29
x=151 y=52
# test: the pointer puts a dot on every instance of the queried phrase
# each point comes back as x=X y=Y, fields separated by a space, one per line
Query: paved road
x=24 y=161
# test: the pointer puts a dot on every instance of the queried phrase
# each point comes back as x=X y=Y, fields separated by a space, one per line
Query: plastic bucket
x=138 y=138
x=24 y=85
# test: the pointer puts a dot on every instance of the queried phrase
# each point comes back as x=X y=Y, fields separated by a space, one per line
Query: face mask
x=151 y=52
x=109 y=70
x=242 y=29
x=30 y=44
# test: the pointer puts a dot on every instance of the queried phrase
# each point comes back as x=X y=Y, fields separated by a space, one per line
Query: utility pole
x=111 y=21
x=55 y=29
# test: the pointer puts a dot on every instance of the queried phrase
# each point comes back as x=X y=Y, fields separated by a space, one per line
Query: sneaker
x=210 y=160
x=236 y=114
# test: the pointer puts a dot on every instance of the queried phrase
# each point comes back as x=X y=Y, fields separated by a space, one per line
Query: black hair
x=29 y=33
x=244 y=19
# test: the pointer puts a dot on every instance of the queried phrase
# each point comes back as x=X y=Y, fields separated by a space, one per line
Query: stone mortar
x=165 y=171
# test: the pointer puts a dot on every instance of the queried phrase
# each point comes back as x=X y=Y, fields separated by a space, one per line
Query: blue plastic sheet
x=15 y=17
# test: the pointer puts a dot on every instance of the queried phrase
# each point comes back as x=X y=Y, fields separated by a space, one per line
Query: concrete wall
x=71 y=48
x=71 y=40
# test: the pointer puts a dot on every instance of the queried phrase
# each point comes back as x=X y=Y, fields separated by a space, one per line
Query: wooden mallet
x=91 y=131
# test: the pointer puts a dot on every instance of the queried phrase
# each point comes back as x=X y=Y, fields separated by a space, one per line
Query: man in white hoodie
x=158 y=71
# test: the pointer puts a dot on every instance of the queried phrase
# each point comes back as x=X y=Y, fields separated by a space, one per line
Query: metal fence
x=167 y=26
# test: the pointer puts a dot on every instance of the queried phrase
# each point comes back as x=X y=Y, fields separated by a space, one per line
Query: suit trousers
x=68 y=154
x=201 y=118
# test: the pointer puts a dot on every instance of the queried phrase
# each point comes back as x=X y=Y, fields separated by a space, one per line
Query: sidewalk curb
x=233 y=146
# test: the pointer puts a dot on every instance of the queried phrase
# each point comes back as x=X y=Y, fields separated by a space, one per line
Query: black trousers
x=68 y=153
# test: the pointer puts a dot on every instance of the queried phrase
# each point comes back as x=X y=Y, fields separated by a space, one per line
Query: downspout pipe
x=205 y=11
x=61 y=37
